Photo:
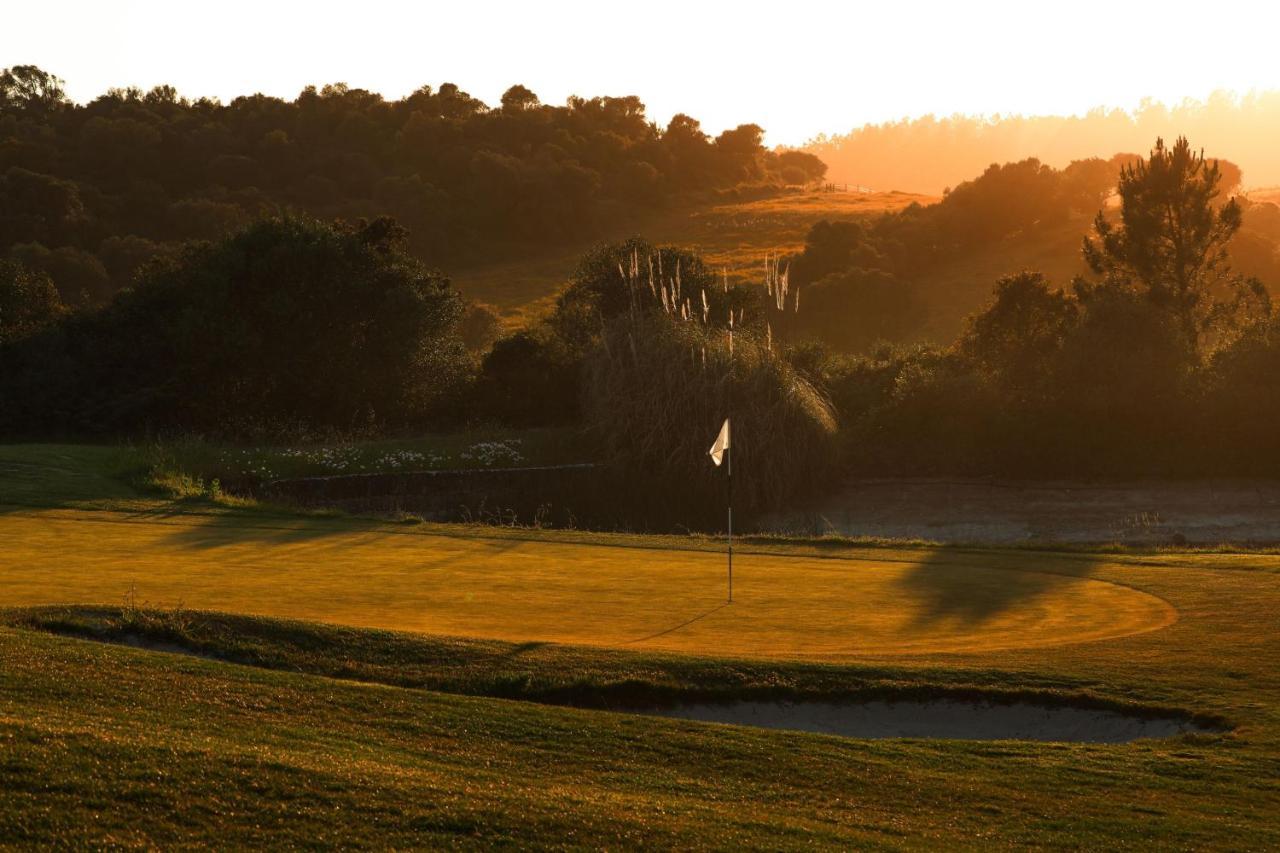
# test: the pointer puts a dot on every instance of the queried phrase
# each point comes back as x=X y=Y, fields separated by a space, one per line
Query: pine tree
x=1172 y=239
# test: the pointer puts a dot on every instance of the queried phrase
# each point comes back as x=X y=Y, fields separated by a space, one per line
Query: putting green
x=890 y=603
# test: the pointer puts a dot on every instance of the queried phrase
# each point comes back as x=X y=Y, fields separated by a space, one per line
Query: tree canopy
x=151 y=169
x=1172 y=239
x=289 y=327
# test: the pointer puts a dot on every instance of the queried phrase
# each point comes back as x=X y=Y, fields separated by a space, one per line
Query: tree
x=1015 y=340
x=1172 y=241
x=28 y=301
x=852 y=310
x=1086 y=184
x=805 y=166
x=468 y=180
x=289 y=327
x=741 y=152
x=27 y=88
x=37 y=207
x=518 y=99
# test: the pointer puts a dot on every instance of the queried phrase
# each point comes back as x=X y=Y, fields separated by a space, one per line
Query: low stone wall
x=557 y=495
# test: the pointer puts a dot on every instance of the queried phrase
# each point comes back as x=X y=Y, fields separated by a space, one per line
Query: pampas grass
x=659 y=386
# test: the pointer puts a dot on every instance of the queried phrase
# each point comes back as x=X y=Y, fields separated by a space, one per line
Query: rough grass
x=737 y=237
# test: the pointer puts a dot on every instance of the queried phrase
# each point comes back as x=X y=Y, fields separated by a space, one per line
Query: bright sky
x=797 y=68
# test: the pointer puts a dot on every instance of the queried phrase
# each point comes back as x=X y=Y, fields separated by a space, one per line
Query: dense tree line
x=90 y=193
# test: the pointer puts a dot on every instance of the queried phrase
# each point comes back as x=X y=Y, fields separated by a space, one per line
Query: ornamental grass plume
x=654 y=404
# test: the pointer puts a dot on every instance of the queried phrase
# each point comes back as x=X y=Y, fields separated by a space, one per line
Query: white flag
x=721 y=445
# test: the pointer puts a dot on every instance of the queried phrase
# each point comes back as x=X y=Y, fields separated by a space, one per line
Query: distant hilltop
x=930 y=154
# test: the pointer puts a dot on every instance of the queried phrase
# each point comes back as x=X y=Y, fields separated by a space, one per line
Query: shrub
x=28 y=301
x=855 y=309
x=529 y=378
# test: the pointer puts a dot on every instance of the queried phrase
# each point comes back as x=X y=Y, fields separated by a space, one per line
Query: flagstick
x=729 y=465
x=729 y=450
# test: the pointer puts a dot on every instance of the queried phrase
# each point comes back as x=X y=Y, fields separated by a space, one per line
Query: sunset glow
x=798 y=69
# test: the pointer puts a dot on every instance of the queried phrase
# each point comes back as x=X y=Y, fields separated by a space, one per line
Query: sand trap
x=946 y=719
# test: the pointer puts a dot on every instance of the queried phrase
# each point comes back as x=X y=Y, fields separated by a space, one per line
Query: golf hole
x=942 y=719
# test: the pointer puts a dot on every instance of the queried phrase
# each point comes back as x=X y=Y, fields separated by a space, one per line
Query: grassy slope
x=103 y=743
x=733 y=236
x=736 y=237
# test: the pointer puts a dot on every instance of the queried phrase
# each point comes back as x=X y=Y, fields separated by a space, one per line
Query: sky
x=797 y=68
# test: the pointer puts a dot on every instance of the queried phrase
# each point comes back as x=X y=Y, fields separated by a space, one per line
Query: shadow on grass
x=721 y=606
x=202 y=532
x=950 y=588
x=211 y=531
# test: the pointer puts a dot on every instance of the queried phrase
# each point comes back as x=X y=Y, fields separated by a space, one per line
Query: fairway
x=867 y=604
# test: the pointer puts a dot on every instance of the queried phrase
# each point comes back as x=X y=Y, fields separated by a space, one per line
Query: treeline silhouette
x=90 y=193
x=932 y=153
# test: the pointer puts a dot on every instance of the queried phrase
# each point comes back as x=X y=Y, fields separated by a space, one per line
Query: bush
x=28 y=302
x=855 y=309
x=529 y=378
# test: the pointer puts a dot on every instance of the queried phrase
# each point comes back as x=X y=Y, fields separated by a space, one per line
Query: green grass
x=341 y=735
x=68 y=475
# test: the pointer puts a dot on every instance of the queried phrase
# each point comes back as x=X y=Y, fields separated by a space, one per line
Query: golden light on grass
x=736 y=237
x=883 y=603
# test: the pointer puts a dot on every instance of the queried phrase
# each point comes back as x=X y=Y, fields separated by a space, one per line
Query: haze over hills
x=930 y=153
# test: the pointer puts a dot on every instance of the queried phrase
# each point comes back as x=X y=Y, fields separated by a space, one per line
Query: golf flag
x=721 y=445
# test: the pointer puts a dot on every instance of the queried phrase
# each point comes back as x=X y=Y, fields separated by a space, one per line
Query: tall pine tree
x=1172 y=239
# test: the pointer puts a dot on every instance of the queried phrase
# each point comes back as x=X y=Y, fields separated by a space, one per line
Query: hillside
x=90 y=193
x=731 y=236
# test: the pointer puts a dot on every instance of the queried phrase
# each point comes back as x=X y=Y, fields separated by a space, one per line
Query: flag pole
x=729 y=473
x=729 y=450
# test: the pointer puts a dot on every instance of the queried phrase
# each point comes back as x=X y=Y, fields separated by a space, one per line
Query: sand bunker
x=946 y=719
